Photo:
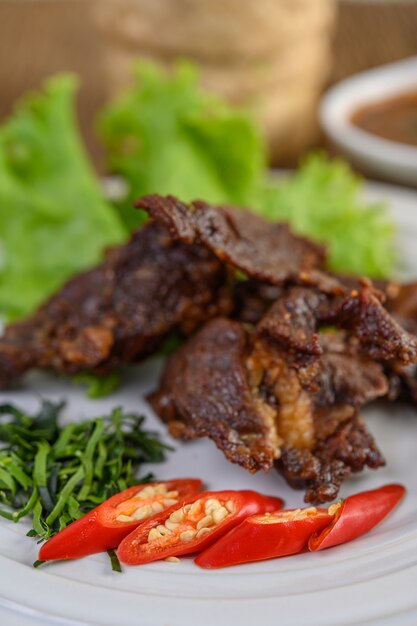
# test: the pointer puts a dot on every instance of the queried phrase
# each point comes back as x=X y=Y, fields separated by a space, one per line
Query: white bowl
x=382 y=157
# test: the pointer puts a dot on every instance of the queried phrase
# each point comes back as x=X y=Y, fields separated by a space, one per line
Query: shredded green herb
x=98 y=385
x=57 y=473
x=115 y=563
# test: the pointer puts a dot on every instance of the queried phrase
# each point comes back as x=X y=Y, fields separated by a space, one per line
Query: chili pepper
x=193 y=526
x=105 y=526
x=267 y=536
x=357 y=515
x=261 y=537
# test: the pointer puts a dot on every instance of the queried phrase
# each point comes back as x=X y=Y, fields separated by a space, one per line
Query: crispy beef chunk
x=379 y=333
x=387 y=290
x=171 y=275
x=252 y=299
x=295 y=317
x=119 y=311
x=322 y=470
x=345 y=382
x=317 y=415
x=403 y=379
x=402 y=382
x=277 y=387
x=404 y=307
x=242 y=391
x=269 y=252
x=205 y=392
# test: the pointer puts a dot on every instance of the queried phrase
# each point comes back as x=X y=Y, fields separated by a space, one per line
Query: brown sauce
x=394 y=119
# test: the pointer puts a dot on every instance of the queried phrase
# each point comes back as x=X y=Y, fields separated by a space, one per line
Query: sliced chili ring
x=357 y=515
x=268 y=536
x=105 y=526
x=193 y=526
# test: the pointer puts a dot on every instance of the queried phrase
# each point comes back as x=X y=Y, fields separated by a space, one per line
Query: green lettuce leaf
x=53 y=218
x=322 y=199
x=167 y=135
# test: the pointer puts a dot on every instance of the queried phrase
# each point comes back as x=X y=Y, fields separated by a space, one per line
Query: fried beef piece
x=269 y=252
x=205 y=392
x=321 y=471
x=404 y=307
x=252 y=300
x=379 y=333
x=402 y=383
x=306 y=382
x=295 y=317
x=403 y=379
x=119 y=311
x=242 y=391
x=345 y=382
x=343 y=379
x=323 y=439
x=345 y=376
x=387 y=290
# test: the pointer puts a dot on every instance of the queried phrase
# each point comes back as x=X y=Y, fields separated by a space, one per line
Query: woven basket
x=270 y=54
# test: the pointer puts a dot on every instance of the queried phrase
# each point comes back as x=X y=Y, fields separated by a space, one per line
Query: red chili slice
x=267 y=536
x=106 y=525
x=193 y=526
x=262 y=537
x=357 y=515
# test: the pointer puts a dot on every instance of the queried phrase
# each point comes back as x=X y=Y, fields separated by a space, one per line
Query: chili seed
x=154 y=534
x=205 y=521
x=195 y=507
x=124 y=518
x=146 y=492
x=171 y=525
x=177 y=516
x=170 y=502
x=220 y=514
x=230 y=506
x=142 y=512
x=171 y=494
x=187 y=535
x=211 y=505
x=202 y=532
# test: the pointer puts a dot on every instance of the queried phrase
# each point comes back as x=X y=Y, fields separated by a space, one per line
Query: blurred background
x=276 y=56
x=198 y=99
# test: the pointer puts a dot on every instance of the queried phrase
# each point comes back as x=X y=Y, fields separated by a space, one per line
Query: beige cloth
x=273 y=55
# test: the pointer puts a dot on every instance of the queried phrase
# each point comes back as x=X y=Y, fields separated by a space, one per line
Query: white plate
x=371 y=580
x=389 y=159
